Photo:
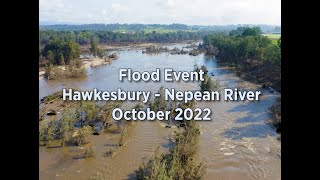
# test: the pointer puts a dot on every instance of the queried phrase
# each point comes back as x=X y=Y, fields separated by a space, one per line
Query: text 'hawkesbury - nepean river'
x=169 y=93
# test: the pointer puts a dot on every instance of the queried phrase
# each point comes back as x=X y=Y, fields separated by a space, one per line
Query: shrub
x=159 y=103
x=58 y=129
x=52 y=97
x=47 y=71
x=75 y=64
x=105 y=113
x=82 y=136
x=91 y=110
x=48 y=133
x=75 y=70
x=89 y=152
x=138 y=106
x=179 y=162
x=81 y=72
x=67 y=125
x=209 y=85
x=100 y=53
x=211 y=50
x=98 y=176
x=203 y=68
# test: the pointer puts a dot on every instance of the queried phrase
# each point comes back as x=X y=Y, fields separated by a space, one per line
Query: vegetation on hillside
x=255 y=56
x=131 y=28
x=108 y=37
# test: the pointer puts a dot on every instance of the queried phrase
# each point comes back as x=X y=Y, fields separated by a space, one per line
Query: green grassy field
x=150 y=30
x=161 y=30
x=274 y=37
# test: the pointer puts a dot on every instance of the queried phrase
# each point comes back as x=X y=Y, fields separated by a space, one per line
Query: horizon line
x=43 y=23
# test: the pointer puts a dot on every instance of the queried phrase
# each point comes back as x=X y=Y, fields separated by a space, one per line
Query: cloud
x=167 y=4
x=118 y=7
x=206 y=12
x=54 y=10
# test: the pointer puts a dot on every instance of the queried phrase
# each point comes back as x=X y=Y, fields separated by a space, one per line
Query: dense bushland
x=254 y=55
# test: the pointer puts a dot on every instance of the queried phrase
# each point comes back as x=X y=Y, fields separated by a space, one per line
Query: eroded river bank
x=236 y=144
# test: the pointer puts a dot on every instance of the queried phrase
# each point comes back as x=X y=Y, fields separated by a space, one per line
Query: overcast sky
x=195 y=12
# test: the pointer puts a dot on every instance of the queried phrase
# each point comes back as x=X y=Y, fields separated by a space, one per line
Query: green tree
x=279 y=42
x=91 y=110
x=50 y=56
x=68 y=119
x=273 y=54
x=47 y=71
x=100 y=53
x=71 y=51
x=94 y=48
x=60 y=59
x=254 y=31
x=159 y=104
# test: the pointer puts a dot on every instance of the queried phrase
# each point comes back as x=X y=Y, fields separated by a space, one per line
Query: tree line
x=143 y=27
x=244 y=44
x=254 y=54
x=60 y=52
x=84 y=37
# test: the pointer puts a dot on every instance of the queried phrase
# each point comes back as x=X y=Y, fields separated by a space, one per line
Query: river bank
x=86 y=63
x=96 y=61
x=236 y=143
x=128 y=46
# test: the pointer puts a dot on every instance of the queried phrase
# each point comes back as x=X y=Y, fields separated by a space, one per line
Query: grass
x=161 y=30
x=147 y=30
x=273 y=36
x=274 y=41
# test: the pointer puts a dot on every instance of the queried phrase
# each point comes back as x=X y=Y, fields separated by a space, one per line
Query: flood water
x=236 y=144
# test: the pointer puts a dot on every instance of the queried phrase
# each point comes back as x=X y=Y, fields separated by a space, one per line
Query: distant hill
x=151 y=27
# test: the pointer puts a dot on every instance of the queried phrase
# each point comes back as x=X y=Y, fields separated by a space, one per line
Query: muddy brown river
x=236 y=144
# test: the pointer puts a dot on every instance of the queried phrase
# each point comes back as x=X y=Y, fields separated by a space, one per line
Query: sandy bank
x=87 y=62
x=92 y=62
x=126 y=46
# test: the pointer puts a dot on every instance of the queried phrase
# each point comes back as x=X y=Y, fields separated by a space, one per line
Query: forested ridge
x=84 y=37
x=136 y=33
x=150 y=27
